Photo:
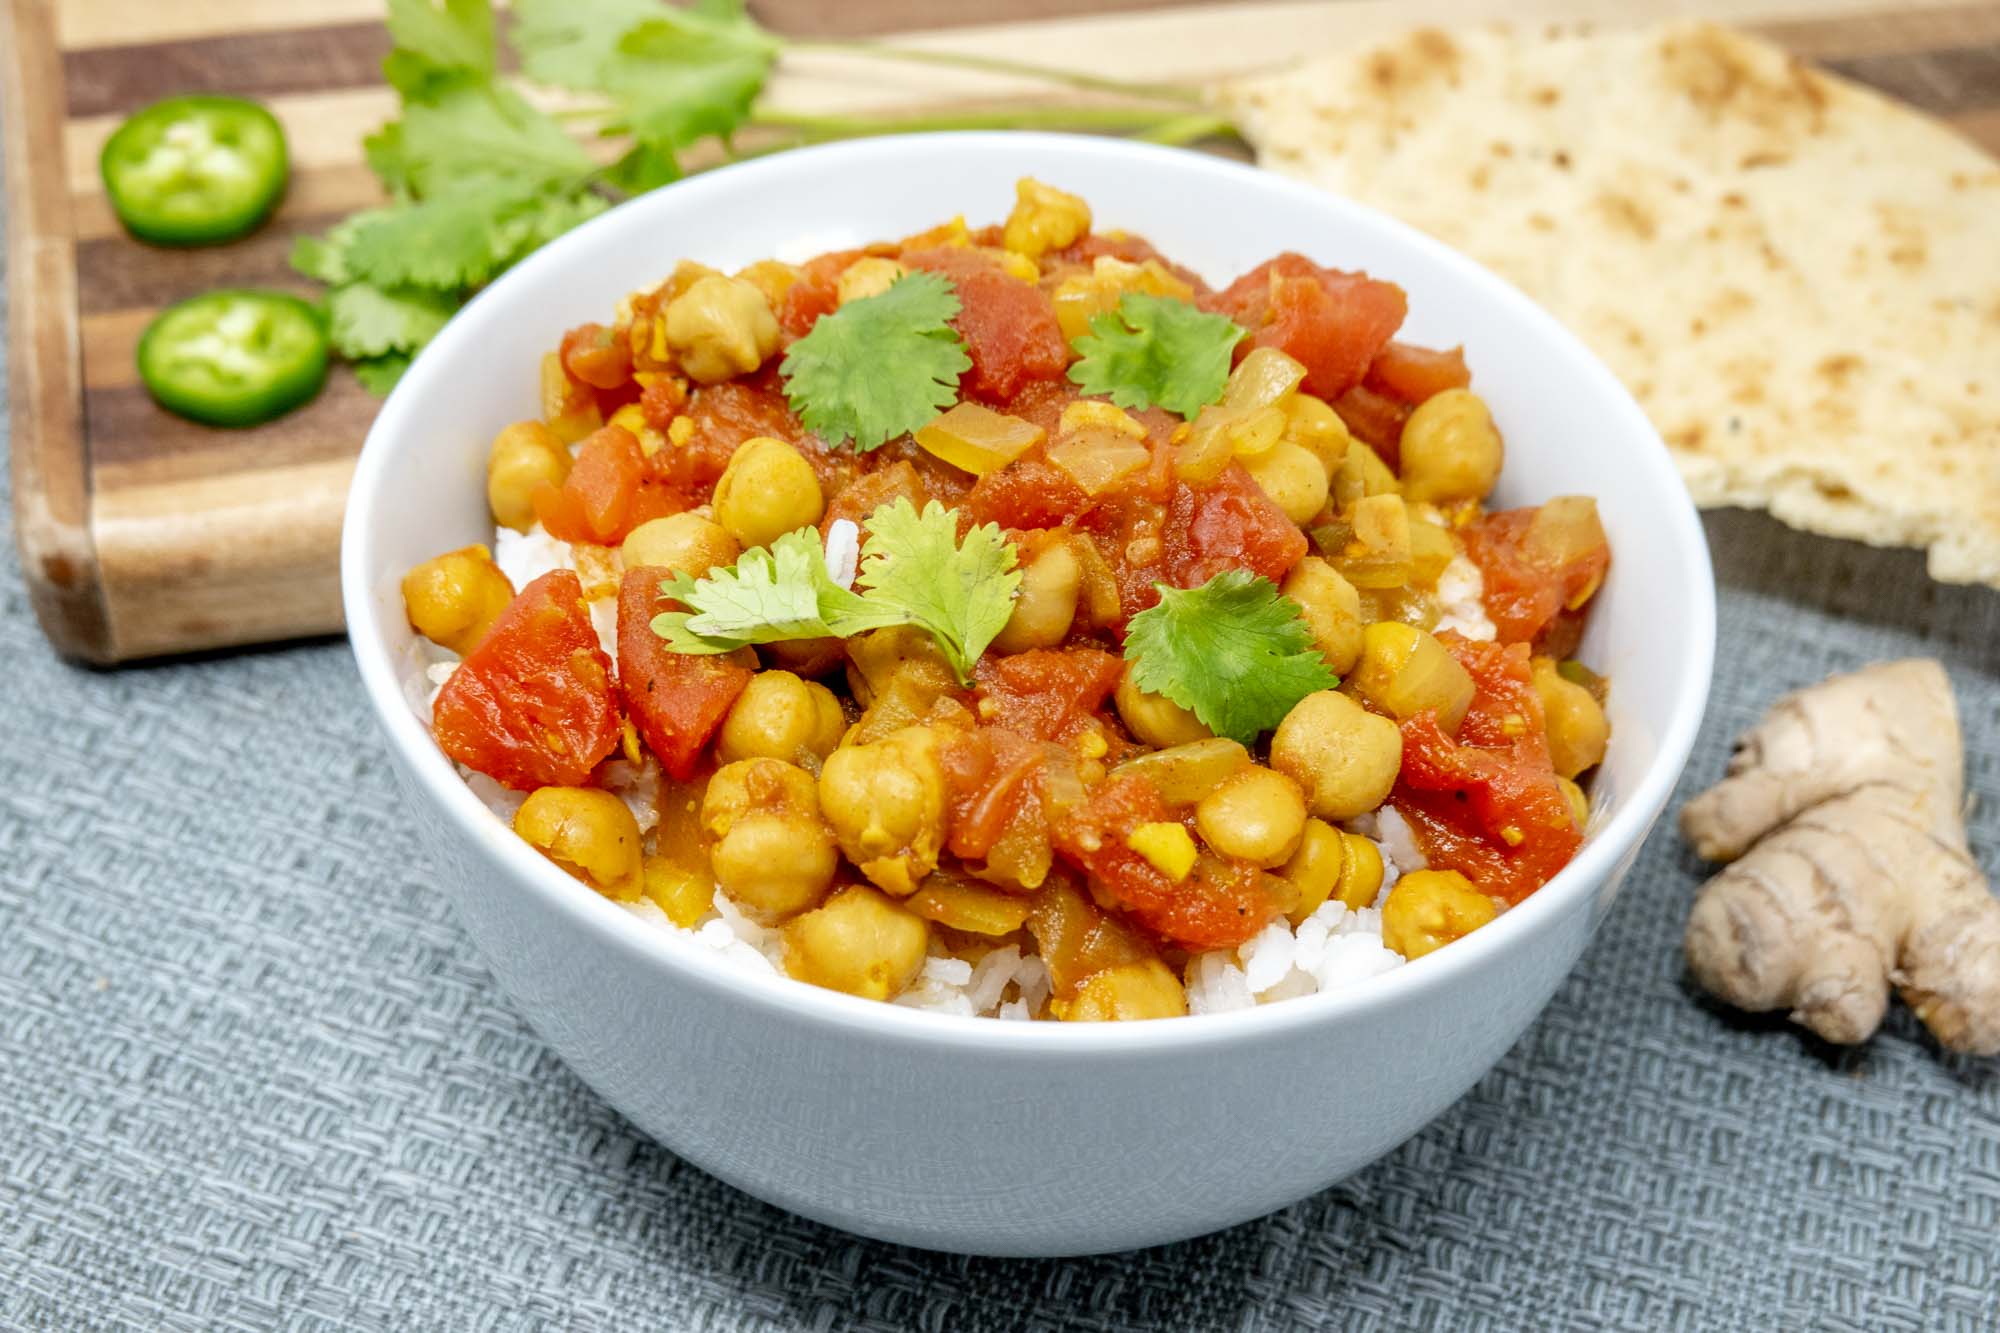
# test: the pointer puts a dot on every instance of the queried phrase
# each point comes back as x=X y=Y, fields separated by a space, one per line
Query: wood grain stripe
x=116 y=80
x=118 y=273
x=50 y=451
x=154 y=446
x=1943 y=82
x=86 y=23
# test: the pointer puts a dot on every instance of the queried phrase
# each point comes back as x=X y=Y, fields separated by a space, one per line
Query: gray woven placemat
x=252 y=1076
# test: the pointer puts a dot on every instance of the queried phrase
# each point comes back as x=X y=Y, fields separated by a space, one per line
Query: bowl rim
x=777 y=996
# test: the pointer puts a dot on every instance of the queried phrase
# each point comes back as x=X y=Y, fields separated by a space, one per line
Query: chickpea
x=767 y=490
x=885 y=801
x=771 y=852
x=1044 y=219
x=685 y=542
x=1578 y=730
x=877 y=659
x=1428 y=909
x=1332 y=608
x=1316 y=868
x=524 y=455
x=779 y=716
x=1343 y=756
x=589 y=833
x=1317 y=428
x=454 y=599
x=1293 y=477
x=868 y=276
x=859 y=942
x=720 y=327
x=1450 y=449
x=1361 y=877
x=1257 y=816
x=1579 y=804
x=1129 y=991
x=1154 y=718
x=1046 y=603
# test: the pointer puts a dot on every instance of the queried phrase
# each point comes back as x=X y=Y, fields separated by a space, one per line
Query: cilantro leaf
x=676 y=75
x=880 y=366
x=454 y=34
x=768 y=596
x=366 y=321
x=378 y=374
x=389 y=159
x=444 y=243
x=458 y=240
x=1155 y=350
x=645 y=166
x=962 y=592
x=1234 y=652
x=480 y=135
x=914 y=571
x=324 y=258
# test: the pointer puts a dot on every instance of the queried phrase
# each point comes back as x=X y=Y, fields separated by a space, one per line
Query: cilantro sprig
x=1156 y=351
x=476 y=174
x=915 y=570
x=880 y=366
x=1235 y=652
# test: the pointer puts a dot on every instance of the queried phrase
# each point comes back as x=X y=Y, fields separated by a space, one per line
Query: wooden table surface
x=143 y=534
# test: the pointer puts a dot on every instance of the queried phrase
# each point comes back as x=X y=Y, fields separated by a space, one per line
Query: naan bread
x=1799 y=279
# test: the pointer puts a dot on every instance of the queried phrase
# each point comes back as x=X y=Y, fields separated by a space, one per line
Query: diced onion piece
x=1362 y=473
x=1431 y=549
x=1098 y=458
x=1378 y=553
x=1183 y=774
x=951 y=901
x=1265 y=378
x=1404 y=670
x=1080 y=297
x=978 y=439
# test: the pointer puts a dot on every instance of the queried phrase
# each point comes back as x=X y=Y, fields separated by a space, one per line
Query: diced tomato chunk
x=1047 y=693
x=677 y=700
x=1029 y=492
x=723 y=416
x=816 y=292
x=1412 y=374
x=1333 y=323
x=1009 y=326
x=592 y=354
x=532 y=705
x=595 y=503
x=1524 y=593
x=1376 y=420
x=1228 y=524
x=994 y=777
x=1486 y=804
x=1220 y=904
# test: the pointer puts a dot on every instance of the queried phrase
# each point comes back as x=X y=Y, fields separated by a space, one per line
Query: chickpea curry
x=1011 y=588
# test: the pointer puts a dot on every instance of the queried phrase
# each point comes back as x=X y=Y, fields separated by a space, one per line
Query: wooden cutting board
x=142 y=534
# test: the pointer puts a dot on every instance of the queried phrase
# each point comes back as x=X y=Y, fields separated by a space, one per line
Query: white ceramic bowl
x=980 y=1135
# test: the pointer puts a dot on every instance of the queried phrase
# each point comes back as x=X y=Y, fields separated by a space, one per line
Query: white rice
x=1331 y=948
x=1461 y=599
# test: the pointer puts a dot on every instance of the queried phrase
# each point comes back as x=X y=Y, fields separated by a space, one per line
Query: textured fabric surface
x=252 y=1076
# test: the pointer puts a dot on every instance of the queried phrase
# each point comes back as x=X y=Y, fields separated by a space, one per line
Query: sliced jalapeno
x=195 y=170
x=234 y=358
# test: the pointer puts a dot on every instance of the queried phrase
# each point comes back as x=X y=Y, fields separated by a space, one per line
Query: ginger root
x=1843 y=819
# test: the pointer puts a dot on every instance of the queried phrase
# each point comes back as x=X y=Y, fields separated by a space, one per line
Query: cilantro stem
x=1186 y=129
x=1121 y=119
x=1159 y=92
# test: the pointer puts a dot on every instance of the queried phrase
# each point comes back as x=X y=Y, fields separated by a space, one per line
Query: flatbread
x=1799 y=279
